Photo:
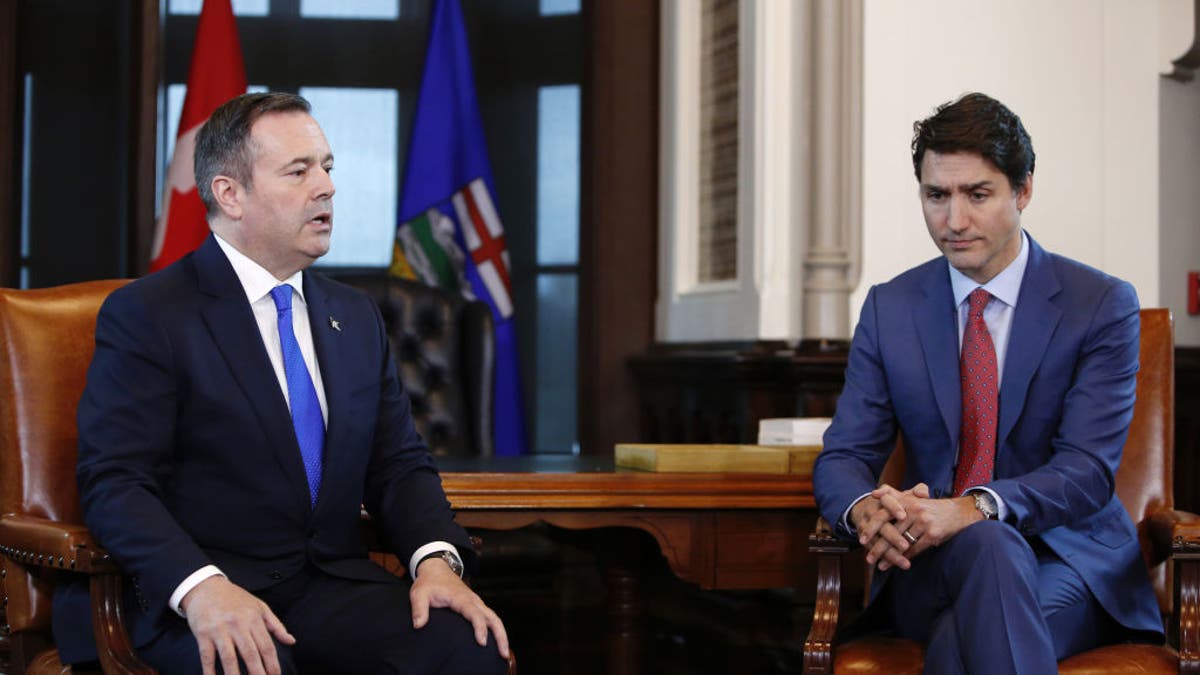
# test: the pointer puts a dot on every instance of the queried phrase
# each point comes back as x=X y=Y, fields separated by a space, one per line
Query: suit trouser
x=987 y=601
x=347 y=626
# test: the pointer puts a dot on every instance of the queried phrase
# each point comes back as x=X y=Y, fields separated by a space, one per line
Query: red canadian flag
x=217 y=75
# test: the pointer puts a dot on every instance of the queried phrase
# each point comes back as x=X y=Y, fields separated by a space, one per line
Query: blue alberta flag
x=450 y=231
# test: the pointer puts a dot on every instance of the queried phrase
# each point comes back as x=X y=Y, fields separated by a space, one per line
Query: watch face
x=986 y=505
x=453 y=562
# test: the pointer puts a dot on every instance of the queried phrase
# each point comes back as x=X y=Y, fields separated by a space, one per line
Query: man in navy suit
x=227 y=443
x=1005 y=548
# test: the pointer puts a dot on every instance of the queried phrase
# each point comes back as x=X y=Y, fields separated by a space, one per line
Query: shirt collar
x=255 y=279
x=1005 y=286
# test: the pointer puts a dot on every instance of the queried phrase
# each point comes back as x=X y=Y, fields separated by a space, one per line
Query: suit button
x=276 y=575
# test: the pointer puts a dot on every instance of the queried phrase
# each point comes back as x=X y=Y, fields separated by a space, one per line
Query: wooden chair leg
x=818 y=648
x=108 y=622
x=1188 y=568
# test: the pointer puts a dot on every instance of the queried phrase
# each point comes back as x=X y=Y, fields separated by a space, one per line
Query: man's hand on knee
x=229 y=622
x=437 y=586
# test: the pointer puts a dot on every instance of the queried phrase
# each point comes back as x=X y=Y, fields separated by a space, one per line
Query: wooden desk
x=719 y=531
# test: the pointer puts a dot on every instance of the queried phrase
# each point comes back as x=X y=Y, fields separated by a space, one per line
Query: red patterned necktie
x=980 y=399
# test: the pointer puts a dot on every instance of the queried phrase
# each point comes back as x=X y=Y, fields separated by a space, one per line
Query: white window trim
x=763 y=302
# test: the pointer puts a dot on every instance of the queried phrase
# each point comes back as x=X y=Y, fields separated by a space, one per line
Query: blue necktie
x=306 y=409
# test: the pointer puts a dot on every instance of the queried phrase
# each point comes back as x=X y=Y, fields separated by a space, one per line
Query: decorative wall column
x=831 y=262
x=798 y=125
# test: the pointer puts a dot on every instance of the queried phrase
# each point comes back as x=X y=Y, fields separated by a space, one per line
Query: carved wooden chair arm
x=1185 y=549
x=828 y=549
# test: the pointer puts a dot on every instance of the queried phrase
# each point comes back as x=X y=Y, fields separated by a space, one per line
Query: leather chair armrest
x=1185 y=532
x=47 y=543
x=828 y=549
x=1160 y=530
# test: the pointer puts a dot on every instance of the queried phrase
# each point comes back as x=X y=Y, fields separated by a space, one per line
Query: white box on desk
x=808 y=431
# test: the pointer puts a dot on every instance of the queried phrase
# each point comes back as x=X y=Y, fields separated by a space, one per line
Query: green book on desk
x=715 y=458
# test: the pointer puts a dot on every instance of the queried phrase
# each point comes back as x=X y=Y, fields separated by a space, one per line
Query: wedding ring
x=908 y=535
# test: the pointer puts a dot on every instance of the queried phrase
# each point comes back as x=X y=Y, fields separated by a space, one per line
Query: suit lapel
x=231 y=323
x=322 y=313
x=938 y=333
x=1033 y=324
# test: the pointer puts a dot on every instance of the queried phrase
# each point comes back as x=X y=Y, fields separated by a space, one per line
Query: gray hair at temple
x=223 y=145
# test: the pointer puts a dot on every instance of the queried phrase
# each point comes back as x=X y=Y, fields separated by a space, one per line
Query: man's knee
x=992 y=546
x=463 y=653
x=994 y=537
x=177 y=652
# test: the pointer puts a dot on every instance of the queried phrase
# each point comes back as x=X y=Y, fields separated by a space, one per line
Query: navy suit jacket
x=188 y=457
x=1066 y=399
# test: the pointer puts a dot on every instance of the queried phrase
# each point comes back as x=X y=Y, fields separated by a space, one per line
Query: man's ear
x=1025 y=193
x=228 y=194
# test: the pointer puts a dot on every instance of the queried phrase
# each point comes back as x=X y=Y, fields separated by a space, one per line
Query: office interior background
x=682 y=182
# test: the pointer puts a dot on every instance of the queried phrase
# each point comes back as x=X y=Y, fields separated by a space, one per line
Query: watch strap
x=452 y=560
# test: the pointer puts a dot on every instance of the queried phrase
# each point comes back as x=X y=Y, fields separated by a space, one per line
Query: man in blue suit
x=1009 y=374
x=238 y=412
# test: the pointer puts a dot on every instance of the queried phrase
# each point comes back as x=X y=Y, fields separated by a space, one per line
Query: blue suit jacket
x=1066 y=399
x=188 y=457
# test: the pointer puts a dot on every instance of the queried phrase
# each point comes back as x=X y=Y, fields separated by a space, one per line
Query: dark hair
x=981 y=125
x=223 y=143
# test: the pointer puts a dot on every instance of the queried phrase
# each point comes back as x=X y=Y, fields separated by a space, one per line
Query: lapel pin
x=335 y=324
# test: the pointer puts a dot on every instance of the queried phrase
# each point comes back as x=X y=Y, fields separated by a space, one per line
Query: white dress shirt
x=258 y=282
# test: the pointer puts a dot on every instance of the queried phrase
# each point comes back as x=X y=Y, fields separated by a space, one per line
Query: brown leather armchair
x=46 y=344
x=1145 y=484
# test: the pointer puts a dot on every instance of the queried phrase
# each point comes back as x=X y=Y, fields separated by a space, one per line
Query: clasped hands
x=896 y=526
x=230 y=623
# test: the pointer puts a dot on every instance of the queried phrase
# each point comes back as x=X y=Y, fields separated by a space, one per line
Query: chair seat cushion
x=876 y=654
x=47 y=663
x=1128 y=658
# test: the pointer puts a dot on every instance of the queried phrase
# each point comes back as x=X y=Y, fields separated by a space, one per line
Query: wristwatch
x=452 y=560
x=986 y=504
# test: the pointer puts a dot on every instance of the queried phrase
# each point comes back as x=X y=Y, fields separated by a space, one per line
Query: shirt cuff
x=431 y=547
x=193 y=580
x=1001 y=509
x=845 y=522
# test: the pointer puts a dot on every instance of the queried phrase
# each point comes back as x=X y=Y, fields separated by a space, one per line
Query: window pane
x=350 y=9
x=174 y=108
x=557 y=326
x=558 y=175
x=718 y=140
x=550 y=7
x=26 y=176
x=240 y=7
x=360 y=125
